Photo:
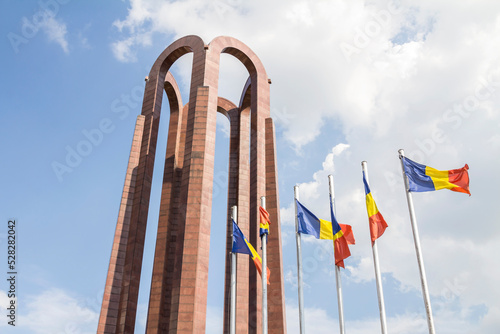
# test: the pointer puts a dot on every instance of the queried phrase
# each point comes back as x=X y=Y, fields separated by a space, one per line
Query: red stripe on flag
x=258 y=265
x=348 y=235
x=460 y=178
x=264 y=216
x=377 y=226
x=341 y=251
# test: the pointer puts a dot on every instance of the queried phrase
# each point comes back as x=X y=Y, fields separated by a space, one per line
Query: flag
x=340 y=245
x=323 y=229
x=375 y=218
x=242 y=246
x=424 y=178
x=264 y=221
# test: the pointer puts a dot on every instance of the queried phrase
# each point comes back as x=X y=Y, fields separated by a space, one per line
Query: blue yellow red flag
x=323 y=229
x=242 y=246
x=424 y=178
x=375 y=218
x=264 y=221
x=340 y=244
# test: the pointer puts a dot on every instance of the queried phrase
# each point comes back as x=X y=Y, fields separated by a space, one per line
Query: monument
x=178 y=297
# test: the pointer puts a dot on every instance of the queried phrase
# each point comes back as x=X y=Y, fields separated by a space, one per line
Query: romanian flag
x=242 y=246
x=323 y=229
x=340 y=245
x=424 y=178
x=264 y=221
x=377 y=221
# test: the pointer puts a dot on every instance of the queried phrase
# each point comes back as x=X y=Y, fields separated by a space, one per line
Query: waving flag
x=340 y=245
x=375 y=218
x=323 y=229
x=242 y=246
x=424 y=178
x=264 y=221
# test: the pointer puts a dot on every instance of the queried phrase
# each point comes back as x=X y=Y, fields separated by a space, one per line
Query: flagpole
x=337 y=268
x=380 y=292
x=232 y=316
x=416 y=238
x=299 y=265
x=264 y=274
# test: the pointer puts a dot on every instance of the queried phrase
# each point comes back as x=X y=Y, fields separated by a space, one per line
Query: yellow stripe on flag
x=325 y=230
x=371 y=207
x=439 y=178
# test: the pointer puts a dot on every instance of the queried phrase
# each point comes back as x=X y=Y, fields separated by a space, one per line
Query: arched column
x=119 y=306
x=151 y=109
x=160 y=300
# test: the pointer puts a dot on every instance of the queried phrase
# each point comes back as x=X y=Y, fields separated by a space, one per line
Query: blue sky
x=351 y=81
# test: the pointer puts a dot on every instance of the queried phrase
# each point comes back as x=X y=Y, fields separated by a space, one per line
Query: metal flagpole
x=416 y=238
x=264 y=274
x=299 y=265
x=380 y=292
x=232 y=316
x=337 y=268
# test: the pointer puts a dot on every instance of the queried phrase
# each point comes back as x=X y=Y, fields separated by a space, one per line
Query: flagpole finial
x=364 y=165
x=401 y=153
x=364 y=168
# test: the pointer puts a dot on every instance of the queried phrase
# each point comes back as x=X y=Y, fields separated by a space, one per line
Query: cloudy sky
x=351 y=81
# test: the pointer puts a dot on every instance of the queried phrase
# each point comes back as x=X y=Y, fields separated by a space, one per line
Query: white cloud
x=214 y=322
x=301 y=42
x=56 y=32
x=123 y=49
x=4 y=303
x=53 y=311
x=309 y=192
x=320 y=321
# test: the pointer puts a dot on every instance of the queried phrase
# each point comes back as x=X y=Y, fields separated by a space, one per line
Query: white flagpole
x=337 y=268
x=299 y=265
x=232 y=316
x=380 y=292
x=264 y=274
x=416 y=238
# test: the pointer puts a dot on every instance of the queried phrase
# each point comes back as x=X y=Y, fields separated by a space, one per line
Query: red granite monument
x=178 y=297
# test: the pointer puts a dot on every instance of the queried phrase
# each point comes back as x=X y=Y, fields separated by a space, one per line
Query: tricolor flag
x=340 y=245
x=424 y=178
x=242 y=246
x=264 y=221
x=377 y=221
x=323 y=229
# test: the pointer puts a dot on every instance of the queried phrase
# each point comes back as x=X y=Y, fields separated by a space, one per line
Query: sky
x=351 y=81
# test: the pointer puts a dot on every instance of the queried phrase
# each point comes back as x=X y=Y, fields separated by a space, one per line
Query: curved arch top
x=258 y=76
x=206 y=61
x=238 y=49
x=174 y=51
